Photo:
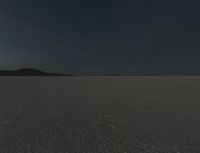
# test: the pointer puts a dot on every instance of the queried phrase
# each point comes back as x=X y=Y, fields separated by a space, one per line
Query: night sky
x=101 y=37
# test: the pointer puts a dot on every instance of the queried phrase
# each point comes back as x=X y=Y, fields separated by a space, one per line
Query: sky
x=101 y=37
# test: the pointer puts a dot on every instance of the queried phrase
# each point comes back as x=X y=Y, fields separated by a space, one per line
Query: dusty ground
x=100 y=115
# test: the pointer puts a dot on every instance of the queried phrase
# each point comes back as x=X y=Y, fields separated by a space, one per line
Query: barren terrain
x=100 y=114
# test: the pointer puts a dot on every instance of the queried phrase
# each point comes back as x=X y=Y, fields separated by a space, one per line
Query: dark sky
x=101 y=37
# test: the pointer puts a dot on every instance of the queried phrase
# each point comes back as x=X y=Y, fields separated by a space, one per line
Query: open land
x=100 y=114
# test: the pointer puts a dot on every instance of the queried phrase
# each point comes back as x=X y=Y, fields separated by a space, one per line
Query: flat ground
x=100 y=115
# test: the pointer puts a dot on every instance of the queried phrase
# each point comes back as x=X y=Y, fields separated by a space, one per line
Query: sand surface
x=100 y=115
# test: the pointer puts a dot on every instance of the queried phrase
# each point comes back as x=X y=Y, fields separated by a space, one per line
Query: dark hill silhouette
x=29 y=72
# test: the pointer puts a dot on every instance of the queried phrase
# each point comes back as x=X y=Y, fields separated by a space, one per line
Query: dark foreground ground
x=100 y=115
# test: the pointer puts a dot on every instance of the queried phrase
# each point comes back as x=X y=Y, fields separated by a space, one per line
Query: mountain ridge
x=29 y=72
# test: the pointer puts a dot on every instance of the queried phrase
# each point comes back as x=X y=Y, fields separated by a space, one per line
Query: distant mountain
x=114 y=74
x=29 y=72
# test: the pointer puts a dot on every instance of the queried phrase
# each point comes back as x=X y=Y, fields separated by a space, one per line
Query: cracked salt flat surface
x=100 y=115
